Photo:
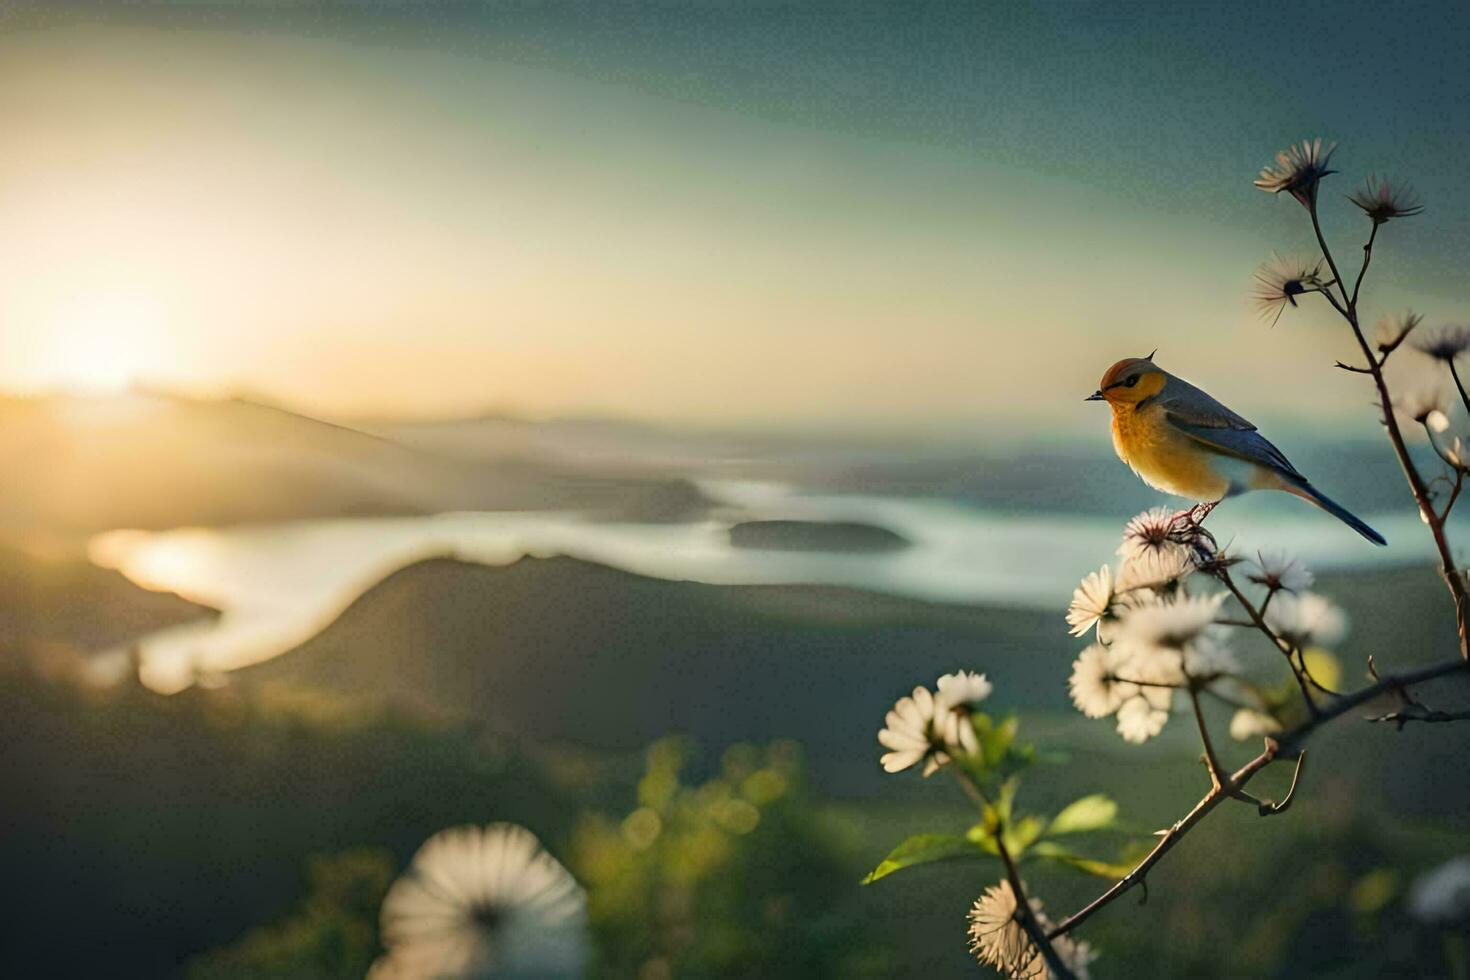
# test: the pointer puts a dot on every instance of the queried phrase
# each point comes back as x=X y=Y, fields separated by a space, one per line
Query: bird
x=1180 y=440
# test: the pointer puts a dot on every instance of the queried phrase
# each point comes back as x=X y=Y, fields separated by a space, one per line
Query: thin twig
x=1259 y=621
x=1363 y=270
x=1168 y=839
x=1212 y=762
x=1417 y=712
x=1454 y=373
x=1268 y=809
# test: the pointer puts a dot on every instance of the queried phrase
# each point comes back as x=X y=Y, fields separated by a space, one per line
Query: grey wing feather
x=1201 y=417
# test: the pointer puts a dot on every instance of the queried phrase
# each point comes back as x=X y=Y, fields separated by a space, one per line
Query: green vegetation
x=246 y=828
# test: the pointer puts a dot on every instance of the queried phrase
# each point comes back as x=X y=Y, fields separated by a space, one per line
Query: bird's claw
x=1188 y=528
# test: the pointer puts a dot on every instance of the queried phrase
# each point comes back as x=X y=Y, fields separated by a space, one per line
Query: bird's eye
x=1131 y=382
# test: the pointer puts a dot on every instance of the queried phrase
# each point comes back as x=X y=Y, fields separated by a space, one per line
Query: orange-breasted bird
x=1181 y=441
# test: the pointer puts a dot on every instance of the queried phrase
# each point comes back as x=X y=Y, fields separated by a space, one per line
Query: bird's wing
x=1205 y=420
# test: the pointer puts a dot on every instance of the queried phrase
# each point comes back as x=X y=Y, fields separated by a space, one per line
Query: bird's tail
x=1308 y=492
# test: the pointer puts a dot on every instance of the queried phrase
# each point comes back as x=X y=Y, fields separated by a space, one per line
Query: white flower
x=1172 y=625
x=1442 y=897
x=1458 y=452
x=1158 y=570
x=1135 y=684
x=1424 y=395
x=1392 y=330
x=1096 y=690
x=963 y=689
x=1280 y=281
x=1250 y=723
x=998 y=939
x=1207 y=656
x=959 y=694
x=1092 y=601
x=1148 y=532
x=1143 y=716
x=1383 y=201
x=1306 y=620
x=1297 y=170
x=1275 y=570
x=1444 y=344
x=477 y=902
x=912 y=734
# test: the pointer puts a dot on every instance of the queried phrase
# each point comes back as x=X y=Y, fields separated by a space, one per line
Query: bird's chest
x=1165 y=458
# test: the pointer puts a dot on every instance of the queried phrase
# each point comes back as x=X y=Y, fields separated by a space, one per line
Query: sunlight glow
x=100 y=345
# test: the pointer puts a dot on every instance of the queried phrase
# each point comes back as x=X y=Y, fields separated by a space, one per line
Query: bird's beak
x=1096 y=396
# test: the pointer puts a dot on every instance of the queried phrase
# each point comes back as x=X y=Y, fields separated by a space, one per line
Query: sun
x=101 y=345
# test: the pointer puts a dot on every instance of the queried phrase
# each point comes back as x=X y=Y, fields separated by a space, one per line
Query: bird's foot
x=1199 y=512
x=1188 y=529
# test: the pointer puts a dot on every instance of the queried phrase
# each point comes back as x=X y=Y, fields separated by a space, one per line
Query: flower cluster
x=998 y=939
x=1155 y=639
x=929 y=727
x=1152 y=637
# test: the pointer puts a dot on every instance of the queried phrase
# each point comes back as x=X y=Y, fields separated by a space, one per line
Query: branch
x=1212 y=762
x=1259 y=621
x=1417 y=712
x=1169 y=838
x=1459 y=385
x=1362 y=271
x=1448 y=569
x=1284 y=746
x=1024 y=913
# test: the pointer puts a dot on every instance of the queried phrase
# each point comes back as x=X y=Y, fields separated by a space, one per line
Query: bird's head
x=1130 y=381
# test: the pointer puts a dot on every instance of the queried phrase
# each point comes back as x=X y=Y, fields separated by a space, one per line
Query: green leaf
x=1103 y=869
x=1022 y=832
x=924 y=849
x=1094 y=812
x=996 y=739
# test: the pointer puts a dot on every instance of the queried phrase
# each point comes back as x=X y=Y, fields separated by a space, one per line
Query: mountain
x=562 y=650
x=66 y=606
x=72 y=466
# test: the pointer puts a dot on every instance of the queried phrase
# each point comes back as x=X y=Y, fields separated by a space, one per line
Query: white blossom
x=1280 y=281
x=1096 y=691
x=912 y=734
x=1092 y=601
x=1148 y=532
x=1306 y=619
x=1160 y=570
x=1442 y=897
x=1143 y=716
x=1173 y=624
x=959 y=694
x=1297 y=170
x=998 y=939
x=1383 y=200
x=1250 y=723
x=1392 y=330
x=1276 y=570
x=480 y=902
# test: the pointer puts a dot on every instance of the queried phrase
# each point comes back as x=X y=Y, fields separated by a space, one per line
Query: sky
x=913 y=216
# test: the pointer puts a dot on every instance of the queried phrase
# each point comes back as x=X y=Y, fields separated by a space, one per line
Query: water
x=277 y=585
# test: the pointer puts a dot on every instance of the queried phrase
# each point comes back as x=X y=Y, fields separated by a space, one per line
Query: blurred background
x=594 y=416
